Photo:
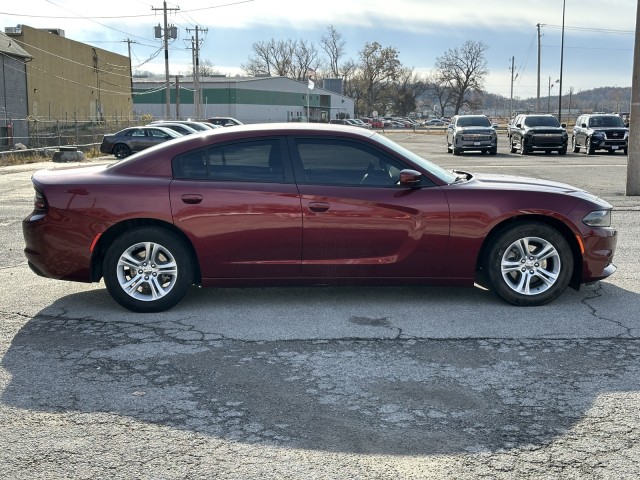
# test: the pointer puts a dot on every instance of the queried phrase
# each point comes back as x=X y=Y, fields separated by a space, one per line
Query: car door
x=358 y=221
x=239 y=205
x=137 y=139
x=579 y=131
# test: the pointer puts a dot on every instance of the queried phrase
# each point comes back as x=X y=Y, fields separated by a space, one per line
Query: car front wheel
x=529 y=264
x=120 y=151
x=148 y=269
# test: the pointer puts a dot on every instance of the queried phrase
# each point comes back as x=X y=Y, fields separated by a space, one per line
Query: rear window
x=253 y=161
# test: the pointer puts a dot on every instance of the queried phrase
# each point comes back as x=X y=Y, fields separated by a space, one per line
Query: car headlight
x=598 y=218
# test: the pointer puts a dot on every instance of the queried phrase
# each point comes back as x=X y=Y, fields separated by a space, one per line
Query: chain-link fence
x=36 y=133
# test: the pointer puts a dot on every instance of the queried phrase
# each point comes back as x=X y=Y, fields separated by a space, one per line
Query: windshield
x=474 y=122
x=444 y=175
x=612 y=121
x=541 y=122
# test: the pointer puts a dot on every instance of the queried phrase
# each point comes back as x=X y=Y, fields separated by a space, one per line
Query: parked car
x=361 y=123
x=436 y=122
x=134 y=139
x=224 y=121
x=341 y=121
x=199 y=126
x=471 y=132
x=600 y=132
x=511 y=125
x=307 y=204
x=181 y=128
x=538 y=133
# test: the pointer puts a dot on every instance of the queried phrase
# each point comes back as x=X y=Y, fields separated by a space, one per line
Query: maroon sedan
x=306 y=204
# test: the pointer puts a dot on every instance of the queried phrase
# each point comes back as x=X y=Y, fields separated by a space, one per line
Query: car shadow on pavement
x=377 y=387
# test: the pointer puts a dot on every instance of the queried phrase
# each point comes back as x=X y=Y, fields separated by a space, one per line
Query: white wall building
x=249 y=99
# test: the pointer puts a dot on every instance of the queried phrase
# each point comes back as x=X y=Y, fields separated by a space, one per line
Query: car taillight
x=40 y=201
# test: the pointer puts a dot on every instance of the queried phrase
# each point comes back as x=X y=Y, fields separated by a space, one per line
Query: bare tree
x=438 y=89
x=304 y=58
x=407 y=88
x=333 y=44
x=379 y=68
x=270 y=58
x=283 y=58
x=464 y=70
x=206 y=69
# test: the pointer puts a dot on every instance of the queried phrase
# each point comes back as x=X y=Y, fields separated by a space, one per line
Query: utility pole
x=166 y=54
x=538 y=96
x=633 y=159
x=195 y=44
x=129 y=42
x=561 y=61
x=513 y=59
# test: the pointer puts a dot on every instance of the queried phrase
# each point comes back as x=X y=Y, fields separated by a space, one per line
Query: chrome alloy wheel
x=530 y=266
x=147 y=271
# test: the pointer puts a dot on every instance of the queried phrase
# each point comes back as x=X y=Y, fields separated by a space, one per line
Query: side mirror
x=494 y=125
x=563 y=125
x=410 y=178
x=518 y=125
x=584 y=125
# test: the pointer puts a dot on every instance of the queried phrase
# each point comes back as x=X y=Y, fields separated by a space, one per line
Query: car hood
x=512 y=182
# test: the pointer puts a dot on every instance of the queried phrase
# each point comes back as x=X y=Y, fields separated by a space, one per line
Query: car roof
x=159 y=127
x=139 y=162
x=162 y=125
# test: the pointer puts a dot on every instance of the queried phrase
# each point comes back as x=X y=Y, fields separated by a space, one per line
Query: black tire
x=120 y=150
x=449 y=150
x=457 y=151
x=493 y=151
x=574 y=146
x=588 y=149
x=537 y=278
x=512 y=148
x=625 y=150
x=562 y=151
x=523 y=150
x=148 y=269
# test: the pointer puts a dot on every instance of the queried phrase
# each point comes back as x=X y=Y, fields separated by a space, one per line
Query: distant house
x=13 y=93
x=249 y=99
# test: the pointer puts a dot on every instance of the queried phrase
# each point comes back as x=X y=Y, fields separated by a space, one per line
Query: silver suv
x=471 y=132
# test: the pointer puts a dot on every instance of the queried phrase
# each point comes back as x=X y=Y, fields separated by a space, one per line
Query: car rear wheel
x=148 y=269
x=529 y=264
x=120 y=150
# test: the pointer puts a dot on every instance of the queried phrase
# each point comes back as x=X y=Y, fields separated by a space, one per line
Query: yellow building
x=72 y=81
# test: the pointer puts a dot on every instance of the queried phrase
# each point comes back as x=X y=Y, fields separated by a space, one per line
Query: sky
x=599 y=36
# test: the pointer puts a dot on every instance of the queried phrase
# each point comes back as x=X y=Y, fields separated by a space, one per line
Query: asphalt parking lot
x=338 y=383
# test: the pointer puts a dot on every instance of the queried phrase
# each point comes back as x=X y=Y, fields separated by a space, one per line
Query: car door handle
x=318 y=206
x=191 y=198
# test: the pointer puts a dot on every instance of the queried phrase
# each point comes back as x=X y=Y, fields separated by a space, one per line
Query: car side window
x=253 y=161
x=153 y=132
x=344 y=162
x=136 y=133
